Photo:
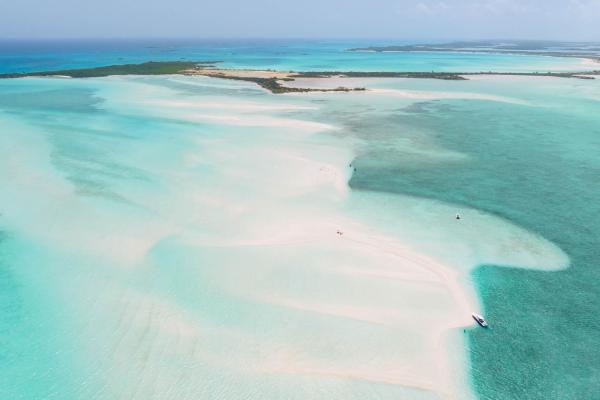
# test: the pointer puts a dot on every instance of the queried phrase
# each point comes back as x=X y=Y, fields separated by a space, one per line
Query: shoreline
x=274 y=80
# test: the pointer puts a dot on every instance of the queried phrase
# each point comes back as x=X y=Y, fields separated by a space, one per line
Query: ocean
x=171 y=237
x=296 y=55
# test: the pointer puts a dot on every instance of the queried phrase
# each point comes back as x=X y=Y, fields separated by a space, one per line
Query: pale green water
x=173 y=237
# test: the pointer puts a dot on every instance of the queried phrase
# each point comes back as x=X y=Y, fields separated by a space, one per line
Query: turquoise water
x=285 y=55
x=142 y=255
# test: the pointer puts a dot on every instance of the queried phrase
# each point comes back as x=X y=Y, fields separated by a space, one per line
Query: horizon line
x=337 y=39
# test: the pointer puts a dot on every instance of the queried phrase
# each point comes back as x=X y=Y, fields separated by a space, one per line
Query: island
x=532 y=48
x=272 y=80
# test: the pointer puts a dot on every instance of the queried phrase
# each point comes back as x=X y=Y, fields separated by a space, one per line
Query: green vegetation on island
x=147 y=68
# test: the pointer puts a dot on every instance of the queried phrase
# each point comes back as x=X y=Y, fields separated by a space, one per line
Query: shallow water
x=166 y=242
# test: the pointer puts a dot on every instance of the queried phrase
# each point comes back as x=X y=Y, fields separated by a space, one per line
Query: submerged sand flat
x=198 y=239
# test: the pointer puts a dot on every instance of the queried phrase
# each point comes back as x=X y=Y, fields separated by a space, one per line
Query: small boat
x=480 y=320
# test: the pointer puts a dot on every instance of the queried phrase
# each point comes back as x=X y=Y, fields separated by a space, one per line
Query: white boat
x=480 y=320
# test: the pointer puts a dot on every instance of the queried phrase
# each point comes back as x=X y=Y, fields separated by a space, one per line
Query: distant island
x=551 y=49
x=271 y=80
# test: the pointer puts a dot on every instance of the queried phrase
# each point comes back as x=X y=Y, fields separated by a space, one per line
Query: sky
x=404 y=19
